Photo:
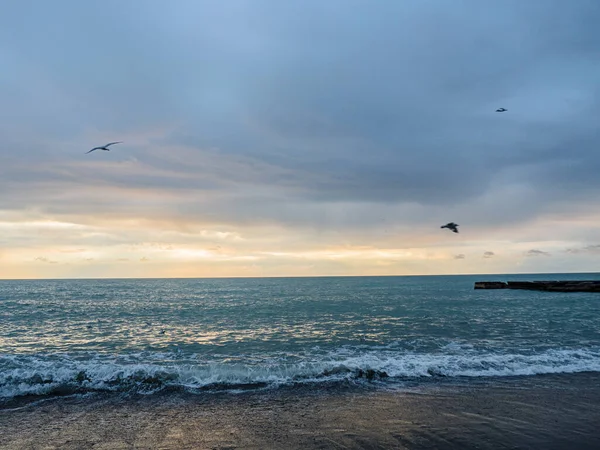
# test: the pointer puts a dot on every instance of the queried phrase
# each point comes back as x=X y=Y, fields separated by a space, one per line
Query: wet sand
x=551 y=412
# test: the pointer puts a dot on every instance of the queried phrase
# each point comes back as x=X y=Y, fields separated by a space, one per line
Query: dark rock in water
x=490 y=285
x=551 y=286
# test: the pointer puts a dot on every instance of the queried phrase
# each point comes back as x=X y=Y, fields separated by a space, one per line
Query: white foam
x=44 y=374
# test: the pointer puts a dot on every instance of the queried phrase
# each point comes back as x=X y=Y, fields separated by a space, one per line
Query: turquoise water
x=69 y=336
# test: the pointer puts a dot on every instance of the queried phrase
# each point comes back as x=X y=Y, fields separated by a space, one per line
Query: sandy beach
x=549 y=412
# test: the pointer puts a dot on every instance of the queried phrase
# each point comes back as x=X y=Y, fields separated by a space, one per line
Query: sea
x=143 y=336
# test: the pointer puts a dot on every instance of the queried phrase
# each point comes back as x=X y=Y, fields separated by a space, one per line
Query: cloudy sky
x=271 y=138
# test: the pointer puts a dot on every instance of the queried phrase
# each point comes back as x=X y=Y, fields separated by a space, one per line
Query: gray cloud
x=266 y=112
x=488 y=254
x=535 y=252
x=459 y=256
x=589 y=249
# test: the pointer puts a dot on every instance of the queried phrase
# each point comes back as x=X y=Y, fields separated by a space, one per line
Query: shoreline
x=548 y=411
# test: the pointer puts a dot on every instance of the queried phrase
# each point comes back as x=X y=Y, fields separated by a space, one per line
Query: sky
x=300 y=138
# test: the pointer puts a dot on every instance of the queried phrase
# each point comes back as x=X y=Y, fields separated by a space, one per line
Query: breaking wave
x=64 y=374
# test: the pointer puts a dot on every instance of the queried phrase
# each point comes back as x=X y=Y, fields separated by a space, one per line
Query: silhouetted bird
x=104 y=147
x=451 y=226
x=501 y=110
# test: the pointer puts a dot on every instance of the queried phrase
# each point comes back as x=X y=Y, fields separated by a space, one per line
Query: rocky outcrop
x=552 y=286
x=490 y=285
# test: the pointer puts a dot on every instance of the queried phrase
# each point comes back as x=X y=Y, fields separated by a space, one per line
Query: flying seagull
x=501 y=110
x=451 y=226
x=104 y=147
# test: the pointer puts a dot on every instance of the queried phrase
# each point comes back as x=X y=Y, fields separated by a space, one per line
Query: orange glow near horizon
x=56 y=249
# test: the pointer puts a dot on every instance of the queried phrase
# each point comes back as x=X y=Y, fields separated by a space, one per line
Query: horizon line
x=301 y=276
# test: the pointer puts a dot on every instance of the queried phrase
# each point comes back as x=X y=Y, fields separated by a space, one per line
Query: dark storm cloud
x=271 y=108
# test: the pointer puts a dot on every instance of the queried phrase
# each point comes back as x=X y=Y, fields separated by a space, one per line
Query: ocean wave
x=62 y=374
